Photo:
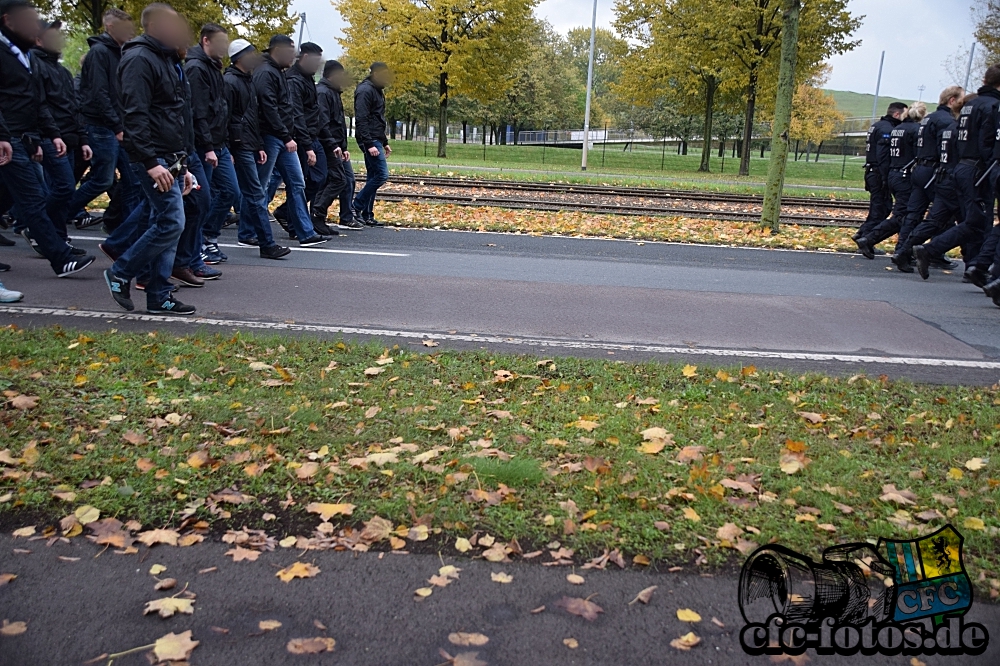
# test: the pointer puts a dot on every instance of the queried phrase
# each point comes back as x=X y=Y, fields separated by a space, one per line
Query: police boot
x=977 y=276
x=922 y=260
x=992 y=289
x=865 y=248
x=903 y=262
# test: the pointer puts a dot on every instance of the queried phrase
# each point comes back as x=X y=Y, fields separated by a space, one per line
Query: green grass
x=144 y=426
x=642 y=165
x=859 y=105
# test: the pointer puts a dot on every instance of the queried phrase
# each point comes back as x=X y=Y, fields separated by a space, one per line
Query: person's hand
x=120 y=136
x=311 y=157
x=388 y=150
x=347 y=156
x=211 y=159
x=338 y=153
x=38 y=156
x=60 y=147
x=189 y=183
x=261 y=157
x=87 y=153
x=373 y=151
x=291 y=146
x=6 y=152
x=162 y=177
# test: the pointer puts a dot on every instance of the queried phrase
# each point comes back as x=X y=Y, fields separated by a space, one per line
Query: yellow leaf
x=268 y=625
x=287 y=542
x=297 y=570
x=955 y=474
x=652 y=447
x=974 y=524
x=688 y=615
x=87 y=514
x=168 y=606
x=575 y=579
x=328 y=511
x=156 y=569
x=467 y=640
x=975 y=464
x=174 y=647
x=571 y=643
x=462 y=545
x=690 y=371
x=424 y=592
x=685 y=642
x=691 y=514
x=501 y=577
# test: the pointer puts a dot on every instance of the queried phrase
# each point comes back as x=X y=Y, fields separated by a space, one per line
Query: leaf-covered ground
x=482 y=453
x=574 y=223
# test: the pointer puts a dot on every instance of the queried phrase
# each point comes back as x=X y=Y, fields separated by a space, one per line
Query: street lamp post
x=590 y=89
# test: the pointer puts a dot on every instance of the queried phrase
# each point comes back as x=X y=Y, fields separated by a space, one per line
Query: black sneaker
x=6 y=242
x=323 y=229
x=249 y=242
x=976 y=276
x=4 y=268
x=274 y=252
x=31 y=241
x=231 y=219
x=171 y=306
x=315 y=240
x=119 y=289
x=373 y=223
x=84 y=220
x=352 y=225
x=75 y=266
x=992 y=289
x=77 y=251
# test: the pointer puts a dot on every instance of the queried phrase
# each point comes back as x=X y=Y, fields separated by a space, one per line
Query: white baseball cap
x=239 y=47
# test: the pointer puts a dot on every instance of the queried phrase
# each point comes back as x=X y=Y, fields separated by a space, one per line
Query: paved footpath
x=79 y=609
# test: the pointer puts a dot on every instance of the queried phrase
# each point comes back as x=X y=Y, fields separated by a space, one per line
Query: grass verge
x=668 y=462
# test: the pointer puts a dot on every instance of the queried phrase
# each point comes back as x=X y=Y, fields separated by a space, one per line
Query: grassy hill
x=859 y=105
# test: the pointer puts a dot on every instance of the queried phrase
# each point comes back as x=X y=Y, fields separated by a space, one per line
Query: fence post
x=426 y=134
x=843 y=169
x=663 y=151
x=604 y=148
x=545 y=140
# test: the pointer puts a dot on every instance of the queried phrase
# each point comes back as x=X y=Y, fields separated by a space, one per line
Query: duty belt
x=969 y=162
x=926 y=161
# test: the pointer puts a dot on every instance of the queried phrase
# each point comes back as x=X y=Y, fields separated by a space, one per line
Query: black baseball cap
x=50 y=25
x=279 y=40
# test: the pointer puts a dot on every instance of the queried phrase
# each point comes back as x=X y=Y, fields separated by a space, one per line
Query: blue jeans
x=108 y=155
x=288 y=167
x=225 y=193
x=378 y=175
x=197 y=205
x=26 y=185
x=155 y=249
x=254 y=219
x=61 y=184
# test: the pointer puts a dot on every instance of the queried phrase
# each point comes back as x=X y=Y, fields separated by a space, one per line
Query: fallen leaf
x=463 y=639
x=87 y=514
x=685 y=642
x=691 y=514
x=268 y=625
x=13 y=628
x=688 y=615
x=974 y=524
x=240 y=554
x=585 y=608
x=6 y=578
x=690 y=371
x=24 y=531
x=174 y=647
x=430 y=343
x=645 y=595
x=297 y=570
x=501 y=577
x=156 y=569
x=652 y=447
x=166 y=584
x=462 y=659
x=728 y=532
x=463 y=545
x=311 y=645
x=328 y=511
x=571 y=643
x=167 y=606
x=575 y=579
x=153 y=537
x=975 y=464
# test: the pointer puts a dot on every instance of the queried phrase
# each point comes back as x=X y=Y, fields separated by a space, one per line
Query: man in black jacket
x=369 y=118
x=211 y=116
x=25 y=121
x=247 y=149
x=61 y=100
x=340 y=173
x=156 y=124
x=100 y=112
x=277 y=124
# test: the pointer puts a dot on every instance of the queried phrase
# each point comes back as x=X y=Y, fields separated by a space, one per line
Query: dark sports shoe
x=231 y=219
x=171 y=306
x=31 y=241
x=922 y=260
x=207 y=273
x=248 y=242
x=372 y=222
x=352 y=224
x=84 y=220
x=324 y=229
x=274 y=252
x=108 y=252
x=6 y=242
x=187 y=278
x=903 y=263
x=77 y=251
x=4 y=268
x=119 y=289
x=75 y=266
x=211 y=248
x=315 y=240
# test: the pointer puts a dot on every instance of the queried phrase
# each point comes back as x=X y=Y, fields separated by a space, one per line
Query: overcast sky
x=917 y=36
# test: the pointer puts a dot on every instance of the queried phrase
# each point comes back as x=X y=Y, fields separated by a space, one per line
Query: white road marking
x=294 y=249
x=514 y=340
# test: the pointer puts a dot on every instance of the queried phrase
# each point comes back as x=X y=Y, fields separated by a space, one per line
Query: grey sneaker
x=9 y=295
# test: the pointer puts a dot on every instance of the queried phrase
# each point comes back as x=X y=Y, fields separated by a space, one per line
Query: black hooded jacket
x=60 y=96
x=277 y=115
x=331 y=112
x=100 y=88
x=929 y=135
x=369 y=114
x=977 y=126
x=208 y=104
x=154 y=101
x=877 y=144
x=302 y=91
x=22 y=99
x=241 y=100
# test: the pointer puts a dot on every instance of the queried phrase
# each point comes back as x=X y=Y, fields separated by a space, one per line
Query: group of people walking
x=934 y=179
x=177 y=143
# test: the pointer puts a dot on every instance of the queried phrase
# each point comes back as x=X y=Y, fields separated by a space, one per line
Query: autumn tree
x=986 y=14
x=815 y=117
x=610 y=53
x=463 y=46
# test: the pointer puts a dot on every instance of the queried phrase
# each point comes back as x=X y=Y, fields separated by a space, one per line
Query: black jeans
x=977 y=215
x=339 y=185
x=921 y=195
x=881 y=200
x=944 y=212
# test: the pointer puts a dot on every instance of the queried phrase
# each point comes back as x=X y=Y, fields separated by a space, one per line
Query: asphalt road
x=796 y=310
x=78 y=609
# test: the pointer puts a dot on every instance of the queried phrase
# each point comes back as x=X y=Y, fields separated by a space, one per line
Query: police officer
x=925 y=168
x=902 y=156
x=946 y=208
x=990 y=253
x=877 y=168
x=976 y=140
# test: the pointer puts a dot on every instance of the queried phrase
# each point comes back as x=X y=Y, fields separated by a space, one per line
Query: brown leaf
x=645 y=595
x=463 y=639
x=328 y=511
x=174 y=647
x=110 y=532
x=298 y=570
x=6 y=578
x=133 y=437
x=239 y=554
x=311 y=645
x=463 y=659
x=24 y=401
x=585 y=608
x=168 y=606
x=13 y=628
x=153 y=537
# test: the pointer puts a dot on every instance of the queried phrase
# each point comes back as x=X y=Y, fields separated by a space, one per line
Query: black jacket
x=100 y=88
x=929 y=135
x=22 y=99
x=241 y=100
x=877 y=144
x=331 y=111
x=976 y=126
x=275 y=111
x=308 y=124
x=60 y=96
x=903 y=144
x=208 y=105
x=153 y=101
x=948 y=146
x=369 y=114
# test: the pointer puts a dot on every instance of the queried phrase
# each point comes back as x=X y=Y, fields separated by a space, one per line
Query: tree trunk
x=684 y=147
x=95 y=11
x=748 y=123
x=796 y=150
x=771 y=212
x=722 y=148
x=706 y=150
x=443 y=116
x=465 y=131
x=818 y=148
x=808 y=149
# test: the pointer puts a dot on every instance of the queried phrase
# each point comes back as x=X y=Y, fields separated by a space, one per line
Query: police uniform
x=990 y=252
x=877 y=173
x=902 y=155
x=976 y=140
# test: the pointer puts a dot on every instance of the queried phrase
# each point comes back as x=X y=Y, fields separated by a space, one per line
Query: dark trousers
x=880 y=203
x=60 y=184
x=25 y=183
x=921 y=196
x=225 y=193
x=989 y=255
x=339 y=185
x=977 y=215
x=197 y=205
x=109 y=155
x=900 y=185
x=944 y=211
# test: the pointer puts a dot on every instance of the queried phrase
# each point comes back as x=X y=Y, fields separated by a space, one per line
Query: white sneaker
x=9 y=295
